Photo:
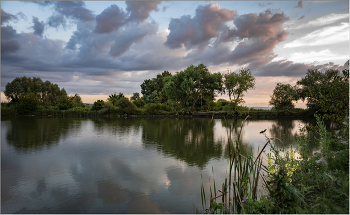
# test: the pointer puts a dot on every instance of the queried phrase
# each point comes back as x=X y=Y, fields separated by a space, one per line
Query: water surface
x=121 y=165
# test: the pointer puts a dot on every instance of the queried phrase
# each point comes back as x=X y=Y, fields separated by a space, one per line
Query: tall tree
x=186 y=87
x=237 y=84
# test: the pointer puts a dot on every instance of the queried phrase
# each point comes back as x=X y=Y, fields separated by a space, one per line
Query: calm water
x=117 y=165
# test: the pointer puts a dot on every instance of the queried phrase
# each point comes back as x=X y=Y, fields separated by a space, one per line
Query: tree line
x=192 y=89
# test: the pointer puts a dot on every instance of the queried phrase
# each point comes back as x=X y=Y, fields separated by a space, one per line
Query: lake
x=121 y=165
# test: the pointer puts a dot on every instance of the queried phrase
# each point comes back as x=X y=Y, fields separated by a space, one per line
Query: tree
x=114 y=98
x=98 y=105
x=186 y=87
x=152 y=89
x=237 y=84
x=327 y=93
x=27 y=103
x=283 y=97
x=46 y=92
x=77 y=102
x=332 y=100
x=134 y=97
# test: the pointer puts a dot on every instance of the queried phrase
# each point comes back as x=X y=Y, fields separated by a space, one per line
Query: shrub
x=98 y=105
x=139 y=103
x=27 y=104
x=126 y=106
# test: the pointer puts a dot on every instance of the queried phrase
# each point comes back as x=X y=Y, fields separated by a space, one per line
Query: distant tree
x=135 y=97
x=114 y=98
x=152 y=89
x=77 y=102
x=65 y=102
x=283 y=97
x=237 y=84
x=98 y=105
x=186 y=87
x=46 y=92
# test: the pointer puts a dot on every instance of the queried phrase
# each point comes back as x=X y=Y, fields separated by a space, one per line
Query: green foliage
x=27 y=103
x=139 y=103
x=237 y=84
x=234 y=109
x=135 y=96
x=65 y=102
x=98 y=105
x=283 y=97
x=77 y=102
x=126 y=106
x=156 y=108
x=186 y=87
x=114 y=98
x=327 y=93
x=152 y=89
x=332 y=99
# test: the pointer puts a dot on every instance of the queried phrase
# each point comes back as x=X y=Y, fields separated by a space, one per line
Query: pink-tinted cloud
x=201 y=28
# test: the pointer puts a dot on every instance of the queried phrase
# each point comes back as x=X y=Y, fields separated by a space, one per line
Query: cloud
x=38 y=26
x=263 y=25
x=302 y=17
x=264 y=4
x=74 y=9
x=300 y=5
x=320 y=56
x=6 y=17
x=324 y=20
x=70 y=9
x=130 y=36
x=324 y=36
x=201 y=28
x=291 y=69
x=57 y=20
x=140 y=10
x=9 y=46
x=110 y=19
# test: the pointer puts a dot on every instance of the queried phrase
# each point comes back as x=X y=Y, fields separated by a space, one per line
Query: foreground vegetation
x=294 y=181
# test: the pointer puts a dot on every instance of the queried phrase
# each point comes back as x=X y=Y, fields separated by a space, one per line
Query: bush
x=139 y=103
x=27 y=104
x=98 y=105
x=126 y=106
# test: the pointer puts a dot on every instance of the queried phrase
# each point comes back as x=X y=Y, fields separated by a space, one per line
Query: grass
x=295 y=184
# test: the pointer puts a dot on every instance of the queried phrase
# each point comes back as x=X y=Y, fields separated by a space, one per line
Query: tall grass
x=242 y=183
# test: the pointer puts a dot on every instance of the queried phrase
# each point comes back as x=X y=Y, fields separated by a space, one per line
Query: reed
x=244 y=174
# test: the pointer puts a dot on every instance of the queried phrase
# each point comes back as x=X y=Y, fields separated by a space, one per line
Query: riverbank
x=264 y=114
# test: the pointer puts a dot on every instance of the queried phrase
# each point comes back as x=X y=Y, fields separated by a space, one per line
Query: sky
x=96 y=48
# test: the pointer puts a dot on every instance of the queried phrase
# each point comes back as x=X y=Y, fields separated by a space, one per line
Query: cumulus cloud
x=324 y=36
x=74 y=9
x=201 y=28
x=9 y=46
x=110 y=19
x=300 y=4
x=57 y=20
x=131 y=35
x=5 y=17
x=263 y=25
x=38 y=26
x=70 y=9
x=140 y=10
